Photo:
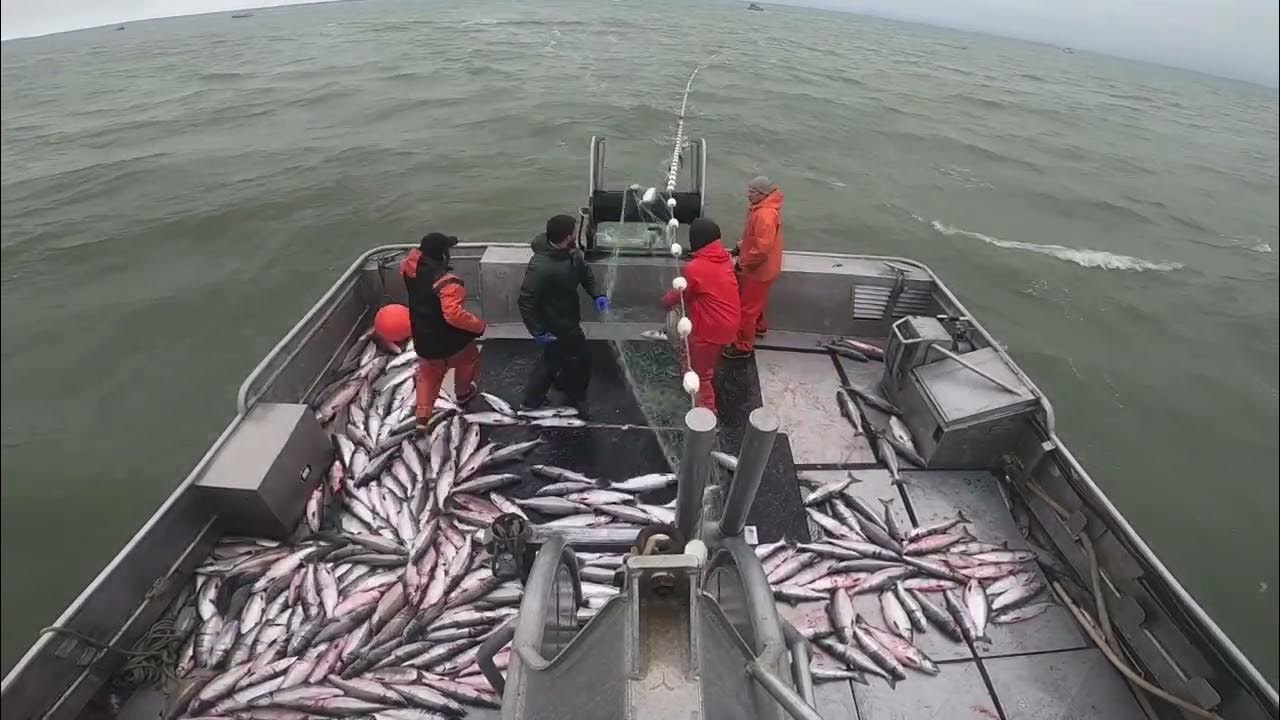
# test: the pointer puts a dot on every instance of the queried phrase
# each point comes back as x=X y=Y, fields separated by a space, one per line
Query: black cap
x=436 y=245
x=559 y=228
x=702 y=232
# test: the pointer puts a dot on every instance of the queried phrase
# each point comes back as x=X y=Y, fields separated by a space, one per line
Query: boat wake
x=1084 y=257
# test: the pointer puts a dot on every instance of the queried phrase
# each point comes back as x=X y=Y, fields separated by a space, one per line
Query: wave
x=1083 y=257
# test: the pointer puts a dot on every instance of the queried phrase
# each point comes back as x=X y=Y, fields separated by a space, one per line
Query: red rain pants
x=431 y=372
x=755 y=295
x=704 y=358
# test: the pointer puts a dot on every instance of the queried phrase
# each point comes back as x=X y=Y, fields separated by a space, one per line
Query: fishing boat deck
x=1044 y=667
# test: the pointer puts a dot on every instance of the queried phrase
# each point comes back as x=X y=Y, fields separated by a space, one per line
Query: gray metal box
x=960 y=419
x=910 y=345
x=259 y=482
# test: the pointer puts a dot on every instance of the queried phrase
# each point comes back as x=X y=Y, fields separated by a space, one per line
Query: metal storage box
x=960 y=419
x=259 y=482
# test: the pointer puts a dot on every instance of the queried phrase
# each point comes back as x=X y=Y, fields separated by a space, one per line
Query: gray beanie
x=760 y=184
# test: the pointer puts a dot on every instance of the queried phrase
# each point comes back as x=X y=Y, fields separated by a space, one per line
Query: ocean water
x=176 y=195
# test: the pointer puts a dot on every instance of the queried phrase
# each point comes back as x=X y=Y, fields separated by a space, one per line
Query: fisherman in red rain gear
x=711 y=303
x=759 y=261
x=444 y=333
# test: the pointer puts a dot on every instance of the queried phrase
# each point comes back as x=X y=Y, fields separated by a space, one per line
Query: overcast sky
x=1233 y=38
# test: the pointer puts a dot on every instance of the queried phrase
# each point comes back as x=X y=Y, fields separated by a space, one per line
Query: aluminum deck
x=1038 y=669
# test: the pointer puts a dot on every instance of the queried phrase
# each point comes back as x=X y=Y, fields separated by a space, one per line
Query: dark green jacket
x=549 y=295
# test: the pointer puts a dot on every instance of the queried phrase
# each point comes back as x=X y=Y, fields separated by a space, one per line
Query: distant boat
x=1067 y=50
x=119 y=27
x=755 y=7
x=243 y=14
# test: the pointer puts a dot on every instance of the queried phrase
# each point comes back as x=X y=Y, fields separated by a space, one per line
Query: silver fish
x=889 y=458
x=821 y=675
x=840 y=611
x=1005 y=556
x=884 y=578
x=929 y=584
x=938 y=616
x=600 y=497
x=791 y=567
x=839 y=581
x=548 y=412
x=902 y=650
x=791 y=593
x=874 y=400
x=873 y=352
x=1016 y=596
x=551 y=505
x=559 y=422
x=934 y=543
x=912 y=606
x=845 y=351
x=564 y=488
x=878 y=535
x=654 y=334
x=561 y=474
x=937 y=528
x=960 y=615
x=1009 y=582
x=891 y=521
x=827 y=491
x=628 y=513
x=659 y=513
x=978 y=607
x=816 y=570
x=493 y=419
x=1026 y=612
x=514 y=451
x=340 y=399
x=485 y=483
x=831 y=526
x=470 y=443
x=645 y=483
x=725 y=460
x=855 y=658
x=505 y=504
x=849 y=410
x=498 y=403
x=895 y=615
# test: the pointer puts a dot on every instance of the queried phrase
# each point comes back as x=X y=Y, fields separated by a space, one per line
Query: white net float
x=679 y=283
x=691 y=382
x=684 y=327
x=676 y=249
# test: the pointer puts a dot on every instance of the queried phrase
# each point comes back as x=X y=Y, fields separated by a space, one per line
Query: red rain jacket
x=711 y=299
x=760 y=249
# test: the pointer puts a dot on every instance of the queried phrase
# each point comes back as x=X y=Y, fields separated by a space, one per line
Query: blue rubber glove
x=602 y=303
x=544 y=339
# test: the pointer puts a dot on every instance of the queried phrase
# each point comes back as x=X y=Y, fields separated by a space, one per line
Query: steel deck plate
x=801 y=389
x=1075 y=685
x=957 y=693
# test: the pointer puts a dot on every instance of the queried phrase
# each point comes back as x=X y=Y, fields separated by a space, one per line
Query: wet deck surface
x=1039 y=669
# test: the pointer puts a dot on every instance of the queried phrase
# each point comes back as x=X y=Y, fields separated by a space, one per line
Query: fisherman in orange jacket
x=759 y=254
x=444 y=333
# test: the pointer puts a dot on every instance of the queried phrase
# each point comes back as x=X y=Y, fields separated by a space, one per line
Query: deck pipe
x=695 y=464
x=757 y=443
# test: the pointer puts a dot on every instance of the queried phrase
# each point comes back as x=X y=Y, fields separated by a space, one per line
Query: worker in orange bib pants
x=759 y=254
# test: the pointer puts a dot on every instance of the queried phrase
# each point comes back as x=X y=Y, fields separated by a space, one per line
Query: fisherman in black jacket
x=549 y=307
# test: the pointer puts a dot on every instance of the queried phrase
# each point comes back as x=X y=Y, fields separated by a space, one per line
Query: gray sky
x=1233 y=38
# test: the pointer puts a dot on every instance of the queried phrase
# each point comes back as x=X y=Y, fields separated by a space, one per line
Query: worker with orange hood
x=759 y=254
x=444 y=333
